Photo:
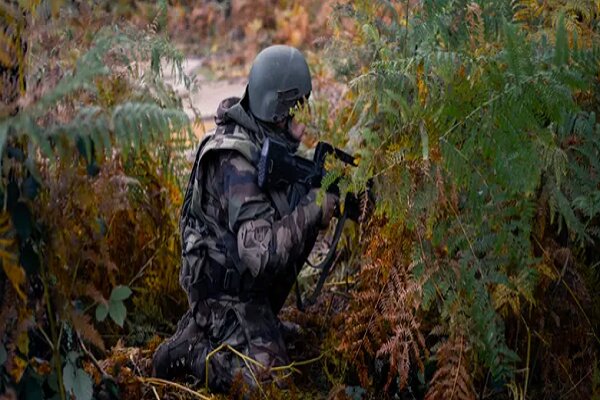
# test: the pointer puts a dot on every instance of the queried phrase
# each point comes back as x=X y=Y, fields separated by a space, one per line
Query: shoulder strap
x=228 y=138
x=281 y=202
x=187 y=198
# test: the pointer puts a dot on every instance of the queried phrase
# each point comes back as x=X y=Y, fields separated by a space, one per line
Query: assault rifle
x=278 y=169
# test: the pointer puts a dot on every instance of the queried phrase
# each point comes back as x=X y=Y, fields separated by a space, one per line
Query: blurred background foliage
x=93 y=163
x=478 y=121
x=477 y=276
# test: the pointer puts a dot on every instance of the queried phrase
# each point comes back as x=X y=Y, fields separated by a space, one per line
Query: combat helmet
x=279 y=78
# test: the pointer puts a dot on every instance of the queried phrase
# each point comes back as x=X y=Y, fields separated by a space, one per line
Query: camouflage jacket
x=229 y=224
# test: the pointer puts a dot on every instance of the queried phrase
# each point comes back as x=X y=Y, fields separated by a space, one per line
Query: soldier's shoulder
x=231 y=138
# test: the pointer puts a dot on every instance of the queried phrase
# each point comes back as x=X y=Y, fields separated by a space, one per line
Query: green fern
x=496 y=120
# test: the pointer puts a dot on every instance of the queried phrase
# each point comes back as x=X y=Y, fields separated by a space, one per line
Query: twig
x=249 y=360
x=158 y=381
x=45 y=335
x=234 y=351
x=91 y=356
x=458 y=368
x=246 y=360
x=528 y=360
x=141 y=271
x=294 y=364
x=135 y=365
x=340 y=283
x=326 y=314
x=155 y=393
x=565 y=369
x=56 y=357
x=562 y=273
x=577 y=384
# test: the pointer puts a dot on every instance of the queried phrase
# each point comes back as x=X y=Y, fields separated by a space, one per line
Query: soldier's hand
x=328 y=206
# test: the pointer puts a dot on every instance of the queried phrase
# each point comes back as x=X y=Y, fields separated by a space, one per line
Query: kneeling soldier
x=242 y=247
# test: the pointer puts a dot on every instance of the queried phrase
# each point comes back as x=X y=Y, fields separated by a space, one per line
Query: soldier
x=242 y=247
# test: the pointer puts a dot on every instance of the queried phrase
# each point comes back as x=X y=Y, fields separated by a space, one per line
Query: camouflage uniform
x=242 y=250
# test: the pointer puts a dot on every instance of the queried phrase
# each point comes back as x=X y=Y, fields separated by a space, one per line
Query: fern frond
x=561 y=52
x=83 y=325
x=452 y=379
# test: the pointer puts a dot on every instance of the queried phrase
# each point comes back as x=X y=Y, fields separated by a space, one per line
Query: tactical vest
x=210 y=262
x=229 y=137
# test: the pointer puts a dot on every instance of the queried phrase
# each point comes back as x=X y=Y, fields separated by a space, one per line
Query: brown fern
x=452 y=380
x=476 y=26
x=383 y=320
x=399 y=306
x=82 y=324
x=362 y=330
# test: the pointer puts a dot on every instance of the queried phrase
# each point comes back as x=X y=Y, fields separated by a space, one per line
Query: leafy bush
x=92 y=156
x=481 y=137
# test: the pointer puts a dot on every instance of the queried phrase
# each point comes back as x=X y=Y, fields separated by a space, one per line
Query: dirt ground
x=206 y=95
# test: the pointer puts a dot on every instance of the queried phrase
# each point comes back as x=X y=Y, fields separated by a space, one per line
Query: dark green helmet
x=279 y=79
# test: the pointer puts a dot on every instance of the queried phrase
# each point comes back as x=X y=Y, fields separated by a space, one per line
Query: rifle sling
x=281 y=202
x=324 y=266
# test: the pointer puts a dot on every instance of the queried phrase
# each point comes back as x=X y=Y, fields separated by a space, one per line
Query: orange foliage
x=382 y=320
x=244 y=27
x=452 y=380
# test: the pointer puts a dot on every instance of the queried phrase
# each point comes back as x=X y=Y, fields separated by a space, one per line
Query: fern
x=130 y=126
x=561 y=52
x=399 y=303
x=110 y=111
x=452 y=379
x=498 y=119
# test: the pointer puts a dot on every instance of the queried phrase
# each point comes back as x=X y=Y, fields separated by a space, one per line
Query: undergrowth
x=476 y=277
x=480 y=131
x=92 y=144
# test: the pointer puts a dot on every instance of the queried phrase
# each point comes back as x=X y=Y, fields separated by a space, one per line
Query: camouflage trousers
x=238 y=339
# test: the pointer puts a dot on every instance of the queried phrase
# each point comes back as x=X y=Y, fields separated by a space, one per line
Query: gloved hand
x=328 y=206
x=360 y=207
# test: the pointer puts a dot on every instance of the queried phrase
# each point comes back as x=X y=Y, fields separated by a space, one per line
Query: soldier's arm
x=265 y=243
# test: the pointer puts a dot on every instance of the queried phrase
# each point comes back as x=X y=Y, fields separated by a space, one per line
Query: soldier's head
x=279 y=81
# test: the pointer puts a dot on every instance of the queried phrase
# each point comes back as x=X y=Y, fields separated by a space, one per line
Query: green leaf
x=68 y=376
x=83 y=388
x=117 y=312
x=3 y=355
x=53 y=381
x=371 y=32
x=101 y=312
x=120 y=293
x=33 y=387
x=72 y=357
x=77 y=382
